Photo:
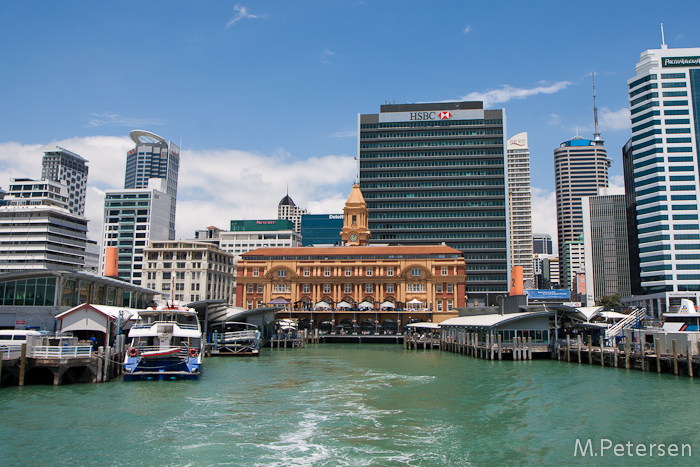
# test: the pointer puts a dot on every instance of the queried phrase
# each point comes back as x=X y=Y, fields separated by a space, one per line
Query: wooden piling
x=579 y=344
x=689 y=356
x=529 y=348
x=675 y=357
x=602 y=352
x=658 y=356
x=500 y=347
x=616 y=351
x=568 y=348
x=100 y=352
x=627 y=351
x=22 y=363
x=590 y=349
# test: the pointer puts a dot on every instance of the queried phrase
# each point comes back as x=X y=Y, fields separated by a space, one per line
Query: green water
x=355 y=405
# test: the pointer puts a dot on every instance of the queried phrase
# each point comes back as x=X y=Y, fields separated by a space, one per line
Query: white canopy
x=387 y=305
x=365 y=305
x=415 y=301
x=343 y=304
x=424 y=325
x=322 y=304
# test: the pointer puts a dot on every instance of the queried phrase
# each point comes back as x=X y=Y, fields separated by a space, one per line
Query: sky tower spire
x=596 y=133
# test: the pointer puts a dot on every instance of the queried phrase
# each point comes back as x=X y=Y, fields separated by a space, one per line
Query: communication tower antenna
x=596 y=133
x=663 y=38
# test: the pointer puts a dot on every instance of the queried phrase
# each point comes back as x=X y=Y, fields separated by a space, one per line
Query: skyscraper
x=542 y=244
x=153 y=157
x=606 y=247
x=520 y=206
x=433 y=173
x=61 y=165
x=664 y=99
x=286 y=209
x=580 y=169
x=133 y=217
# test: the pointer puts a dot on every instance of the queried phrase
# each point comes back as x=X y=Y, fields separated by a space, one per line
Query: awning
x=278 y=301
x=415 y=301
x=343 y=305
x=424 y=325
x=365 y=305
x=387 y=305
x=322 y=304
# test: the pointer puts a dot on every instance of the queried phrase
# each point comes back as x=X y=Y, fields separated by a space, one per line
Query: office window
x=438 y=288
x=255 y=272
x=390 y=288
x=327 y=272
x=444 y=271
x=390 y=271
x=306 y=288
x=250 y=288
x=369 y=271
x=415 y=272
x=348 y=288
x=306 y=272
x=348 y=271
x=326 y=288
x=368 y=288
x=282 y=273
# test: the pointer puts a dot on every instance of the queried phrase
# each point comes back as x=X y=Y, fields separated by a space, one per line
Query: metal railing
x=180 y=325
x=635 y=316
x=235 y=336
x=8 y=352
x=59 y=351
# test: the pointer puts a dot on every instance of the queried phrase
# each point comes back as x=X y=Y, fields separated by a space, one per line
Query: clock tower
x=355 y=219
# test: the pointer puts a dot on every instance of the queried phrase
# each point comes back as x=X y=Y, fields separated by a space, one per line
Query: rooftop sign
x=431 y=115
x=680 y=61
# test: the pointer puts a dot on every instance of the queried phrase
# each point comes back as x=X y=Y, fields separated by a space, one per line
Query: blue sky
x=265 y=94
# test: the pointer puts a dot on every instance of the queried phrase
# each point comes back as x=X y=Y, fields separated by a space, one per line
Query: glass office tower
x=434 y=173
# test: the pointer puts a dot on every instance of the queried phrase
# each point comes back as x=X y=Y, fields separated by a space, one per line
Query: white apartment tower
x=61 y=165
x=520 y=205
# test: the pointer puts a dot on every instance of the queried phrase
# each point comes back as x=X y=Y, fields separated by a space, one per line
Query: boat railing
x=161 y=323
x=236 y=336
x=60 y=351
x=184 y=349
x=8 y=352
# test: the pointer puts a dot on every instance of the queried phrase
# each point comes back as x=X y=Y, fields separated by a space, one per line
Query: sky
x=263 y=96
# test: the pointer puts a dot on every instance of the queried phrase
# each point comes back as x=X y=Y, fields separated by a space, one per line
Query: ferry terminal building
x=421 y=280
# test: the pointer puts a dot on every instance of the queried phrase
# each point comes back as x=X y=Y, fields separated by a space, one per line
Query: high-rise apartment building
x=606 y=247
x=520 y=205
x=580 y=169
x=153 y=157
x=434 y=173
x=37 y=231
x=664 y=97
x=133 y=217
x=542 y=244
x=62 y=165
x=286 y=209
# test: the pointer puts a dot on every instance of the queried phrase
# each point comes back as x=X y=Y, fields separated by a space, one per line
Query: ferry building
x=355 y=276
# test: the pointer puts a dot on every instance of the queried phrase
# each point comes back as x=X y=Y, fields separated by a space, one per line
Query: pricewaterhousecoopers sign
x=680 y=61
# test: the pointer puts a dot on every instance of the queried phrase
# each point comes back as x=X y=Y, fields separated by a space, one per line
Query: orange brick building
x=419 y=279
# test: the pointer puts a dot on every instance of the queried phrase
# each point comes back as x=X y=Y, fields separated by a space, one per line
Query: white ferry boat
x=166 y=343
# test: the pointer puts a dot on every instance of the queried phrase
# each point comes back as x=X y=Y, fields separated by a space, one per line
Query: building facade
x=37 y=231
x=574 y=262
x=62 y=165
x=286 y=209
x=606 y=247
x=431 y=275
x=434 y=173
x=580 y=169
x=546 y=270
x=188 y=271
x=153 y=157
x=519 y=205
x=321 y=229
x=132 y=218
x=542 y=244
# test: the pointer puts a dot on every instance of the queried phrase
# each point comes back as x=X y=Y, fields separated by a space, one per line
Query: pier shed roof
x=492 y=321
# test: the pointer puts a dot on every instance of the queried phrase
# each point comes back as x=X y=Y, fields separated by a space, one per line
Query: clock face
x=353 y=237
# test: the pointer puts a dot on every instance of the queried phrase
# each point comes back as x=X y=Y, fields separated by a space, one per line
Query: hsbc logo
x=430 y=115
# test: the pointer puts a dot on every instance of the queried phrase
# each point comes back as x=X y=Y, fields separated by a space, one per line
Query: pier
x=40 y=362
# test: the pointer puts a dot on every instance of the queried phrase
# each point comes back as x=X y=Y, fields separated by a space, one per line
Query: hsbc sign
x=431 y=115
x=415 y=116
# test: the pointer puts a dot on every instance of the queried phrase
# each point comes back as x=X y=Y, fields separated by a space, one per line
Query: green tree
x=610 y=301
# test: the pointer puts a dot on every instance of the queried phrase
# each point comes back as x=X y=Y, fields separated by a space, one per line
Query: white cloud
x=544 y=213
x=109 y=118
x=508 y=93
x=468 y=29
x=241 y=13
x=214 y=186
x=615 y=120
x=616 y=185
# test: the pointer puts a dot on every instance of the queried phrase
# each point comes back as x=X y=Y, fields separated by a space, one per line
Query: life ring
x=193 y=352
x=133 y=352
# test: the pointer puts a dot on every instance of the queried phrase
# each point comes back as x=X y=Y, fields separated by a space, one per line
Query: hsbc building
x=434 y=173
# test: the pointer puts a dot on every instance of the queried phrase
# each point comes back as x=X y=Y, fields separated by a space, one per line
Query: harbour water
x=357 y=405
